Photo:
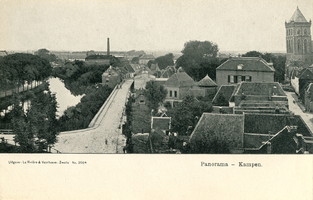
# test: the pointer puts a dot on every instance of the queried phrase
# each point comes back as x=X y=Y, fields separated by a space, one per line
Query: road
x=106 y=137
x=297 y=110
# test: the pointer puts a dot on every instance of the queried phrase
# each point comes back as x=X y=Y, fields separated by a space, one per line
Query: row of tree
x=79 y=116
x=36 y=129
x=16 y=69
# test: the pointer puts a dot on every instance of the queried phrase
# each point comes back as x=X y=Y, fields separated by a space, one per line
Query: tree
x=199 y=59
x=135 y=60
x=37 y=129
x=17 y=68
x=155 y=94
x=44 y=53
x=208 y=143
x=164 y=61
x=252 y=54
x=185 y=116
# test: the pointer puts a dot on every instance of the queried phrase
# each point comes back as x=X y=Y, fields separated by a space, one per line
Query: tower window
x=305 y=31
x=298 y=45
x=305 y=46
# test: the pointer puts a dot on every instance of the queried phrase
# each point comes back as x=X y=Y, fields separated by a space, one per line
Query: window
x=298 y=45
x=235 y=79
x=239 y=66
x=298 y=32
x=107 y=80
x=171 y=93
x=175 y=93
x=248 y=78
x=305 y=46
x=231 y=79
x=305 y=32
x=243 y=78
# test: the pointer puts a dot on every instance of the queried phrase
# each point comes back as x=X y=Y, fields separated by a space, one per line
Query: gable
x=181 y=79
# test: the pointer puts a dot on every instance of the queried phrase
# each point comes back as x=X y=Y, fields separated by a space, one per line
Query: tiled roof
x=254 y=88
x=226 y=91
x=147 y=57
x=161 y=123
x=207 y=81
x=297 y=17
x=246 y=64
x=227 y=126
x=265 y=123
x=181 y=79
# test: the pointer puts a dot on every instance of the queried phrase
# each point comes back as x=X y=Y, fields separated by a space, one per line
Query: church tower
x=298 y=39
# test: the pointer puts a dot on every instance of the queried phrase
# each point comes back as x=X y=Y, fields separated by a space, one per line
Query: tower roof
x=297 y=17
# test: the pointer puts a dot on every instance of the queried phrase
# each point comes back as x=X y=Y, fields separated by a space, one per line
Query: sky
x=155 y=25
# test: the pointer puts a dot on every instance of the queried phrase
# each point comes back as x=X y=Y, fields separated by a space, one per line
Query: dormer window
x=239 y=66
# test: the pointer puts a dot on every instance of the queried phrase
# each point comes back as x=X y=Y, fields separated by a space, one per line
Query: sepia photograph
x=124 y=93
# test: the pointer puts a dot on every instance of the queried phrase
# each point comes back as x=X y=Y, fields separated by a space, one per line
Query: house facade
x=142 y=78
x=111 y=77
x=178 y=86
x=250 y=69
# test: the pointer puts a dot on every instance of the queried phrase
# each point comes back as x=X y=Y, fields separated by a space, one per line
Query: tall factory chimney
x=108 y=47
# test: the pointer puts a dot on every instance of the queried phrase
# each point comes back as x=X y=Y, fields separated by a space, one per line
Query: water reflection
x=63 y=96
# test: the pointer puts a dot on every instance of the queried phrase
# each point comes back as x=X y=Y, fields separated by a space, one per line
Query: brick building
x=250 y=69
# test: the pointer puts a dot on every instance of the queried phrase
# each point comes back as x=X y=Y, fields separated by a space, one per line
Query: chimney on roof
x=108 y=47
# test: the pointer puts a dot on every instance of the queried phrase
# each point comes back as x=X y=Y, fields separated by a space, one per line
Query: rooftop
x=228 y=126
x=181 y=79
x=260 y=89
x=207 y=82
x=297 y=17
x=161 y=123
x=246 y=64
x=224 y=91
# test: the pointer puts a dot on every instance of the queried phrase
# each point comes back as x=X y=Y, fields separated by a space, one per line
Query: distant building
x=111 y=77
x=301 y=81
x=142 y=78
x=249 y=69
x=144 y=59
x=298 y=42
